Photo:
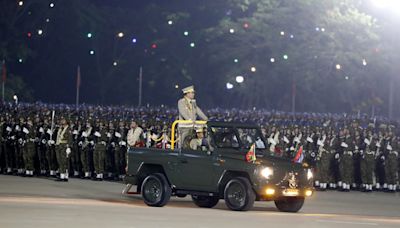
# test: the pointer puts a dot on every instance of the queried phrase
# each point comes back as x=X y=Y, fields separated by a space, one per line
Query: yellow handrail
x=183 y=122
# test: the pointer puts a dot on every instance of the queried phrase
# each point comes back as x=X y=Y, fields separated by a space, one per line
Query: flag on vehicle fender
x=299 y=155
x=251 y=154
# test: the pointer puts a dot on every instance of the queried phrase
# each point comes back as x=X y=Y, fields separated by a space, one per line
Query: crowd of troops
x=346 y=152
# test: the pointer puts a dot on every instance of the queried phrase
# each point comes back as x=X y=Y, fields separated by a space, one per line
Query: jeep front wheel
x=290 y=204
x=239 y=195
x=205 y=201
x=156 y=191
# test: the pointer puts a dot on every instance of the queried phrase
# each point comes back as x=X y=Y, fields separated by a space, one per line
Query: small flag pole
x=78 y=85
x=4 y=73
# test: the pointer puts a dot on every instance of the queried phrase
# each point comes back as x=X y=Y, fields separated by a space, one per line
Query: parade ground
x=41 y=202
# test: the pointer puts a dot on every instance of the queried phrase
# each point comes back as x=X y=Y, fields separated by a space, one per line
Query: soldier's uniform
x=323 y=160
x=42 y=146
x=99 y=153
x=63 y=149
x=391 y=167
x=120 y=149
x=8 y=146
x=51 y=150
x=19 y=144
x=87 y=144
x=28 y=147
x=379 y=163
x=367 y=162
x=188 y=110
x=76 y=149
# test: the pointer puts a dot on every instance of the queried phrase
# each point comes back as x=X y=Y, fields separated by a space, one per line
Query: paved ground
x=37 y=202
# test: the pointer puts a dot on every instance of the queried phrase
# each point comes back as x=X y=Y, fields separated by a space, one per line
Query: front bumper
x=271 y=192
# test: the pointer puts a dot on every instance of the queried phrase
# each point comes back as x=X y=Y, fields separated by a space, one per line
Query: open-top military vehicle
x=233 y=163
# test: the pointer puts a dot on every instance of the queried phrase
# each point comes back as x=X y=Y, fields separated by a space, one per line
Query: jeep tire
x=290 y=204
x=156 y=191
x=239 y=195
x=205 y=201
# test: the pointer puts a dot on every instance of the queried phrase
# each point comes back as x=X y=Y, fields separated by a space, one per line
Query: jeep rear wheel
x=239 y=195
x=156 y=191
x=290 y=204
x=205 y=201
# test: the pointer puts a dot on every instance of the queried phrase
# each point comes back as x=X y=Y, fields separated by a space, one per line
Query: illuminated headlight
x=310 y=175
x=267 y=172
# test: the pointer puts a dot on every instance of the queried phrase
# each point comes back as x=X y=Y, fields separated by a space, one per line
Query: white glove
x=25 y=130
x=286 y=140
x=75 y=132
x=378 y=145
x=50 y=142
x=8 y=129
x=113 y=144
x=123 y=143
x=44 y=141
x=91 y=143
x=292 y=148
x=84 y=134
x=319 y=143
x=97 y=134
x=310 y=140
x=117 y=134
x=80 y=143
x=389 y=147
x=343 y=144
x=49 y=131
x=366 y=141
x=41 y=130
x=17 y=128
x=337 y=156
x=13 y=137
x=108 y=135
x=68 y=151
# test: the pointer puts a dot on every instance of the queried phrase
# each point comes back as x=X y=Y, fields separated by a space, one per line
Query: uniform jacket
x=188 y=110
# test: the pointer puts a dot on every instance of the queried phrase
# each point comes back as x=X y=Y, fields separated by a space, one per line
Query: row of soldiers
x=92 y=142
x=350 y=157
x=60 y=146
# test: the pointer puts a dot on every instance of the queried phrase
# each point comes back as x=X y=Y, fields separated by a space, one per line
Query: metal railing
x=186 y=122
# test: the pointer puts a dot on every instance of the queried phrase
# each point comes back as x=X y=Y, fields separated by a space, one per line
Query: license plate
x=290 y=192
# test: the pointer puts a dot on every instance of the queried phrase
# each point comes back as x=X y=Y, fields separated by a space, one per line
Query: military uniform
x=63 y=149
x=391 y=167
x=120 y=150
x=28 y=147
x=188 y=110
x=99 y=153
x=87 y=144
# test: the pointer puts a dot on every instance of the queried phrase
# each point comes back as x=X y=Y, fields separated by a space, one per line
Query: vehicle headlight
x=267 y=172
x=310 y=174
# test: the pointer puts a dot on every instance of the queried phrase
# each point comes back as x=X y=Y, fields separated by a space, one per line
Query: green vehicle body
x=207 y=173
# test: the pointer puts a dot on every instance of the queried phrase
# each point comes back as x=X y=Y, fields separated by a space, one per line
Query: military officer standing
x=63 y=148
x=188 y=110
x=28 y=148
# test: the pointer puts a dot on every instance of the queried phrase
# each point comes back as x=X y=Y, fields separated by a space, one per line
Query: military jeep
x=219 y=169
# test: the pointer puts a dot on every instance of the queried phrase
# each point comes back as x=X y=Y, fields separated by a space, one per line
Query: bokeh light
x=229 y=85
x=120 y=34
x=285 y=57
x=91 y=52
x=272 y=60
x=192 y=44
x=338 y=67
x=236 y=60
x=186 y=33
x=40 y=32
x=253 y=69
x=239 y=79
x=21 y=3
x=51 y=5
x=231 y=30
x=89 y=35
x=170 y=22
